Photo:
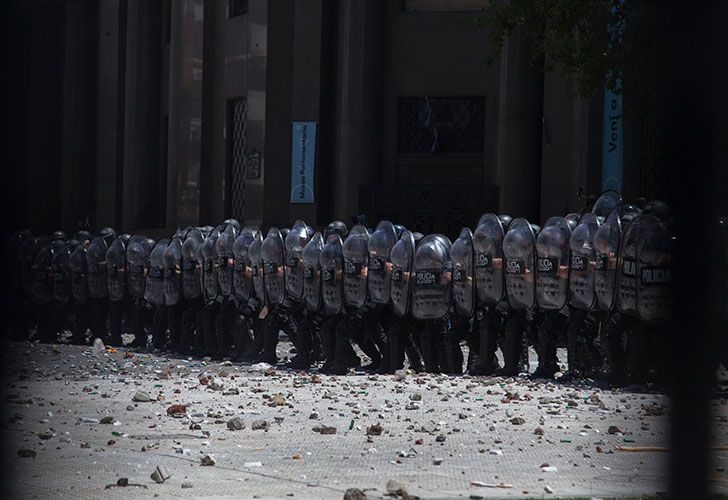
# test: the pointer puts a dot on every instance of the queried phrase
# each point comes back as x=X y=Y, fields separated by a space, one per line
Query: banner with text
x=303 y=159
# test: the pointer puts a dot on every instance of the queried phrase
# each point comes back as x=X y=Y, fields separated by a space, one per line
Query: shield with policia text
x=380 y=267
x=553 y=255
x=172 y=261
x=191 y=270
x=628 y=266
x=96 y=268
x=256 y=262
x=296 y=240
x=332 y=267
x=431 y=290
x=242 y=269
x=461 y=254
x=519 y=248
x=488 y=263
x=137 y=263
x=312 y=272
x=208 y=261
x=225 y=259
x=356 y=266
x=402 y=257
x=582 y=268
x=655 y=294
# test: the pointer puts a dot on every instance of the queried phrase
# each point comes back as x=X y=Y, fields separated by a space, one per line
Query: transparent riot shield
x=463 y=291
x=553 y=255
x=296 y=240
x=380 y=267
x=154 y=291
x=256 y=263
x=191 y=271
x=607 y=202
x=242 y=270
x=519 y=249
x=208 y=261
x=61 y=276
x=402 y=257
x=655 y=293
x=628 y=269
x=273 y=255
x=116 y=270
x=172 y=259
x=332 y=266
x=356 y=266
x=137 y=262
x=77 y=265
x=431 y=290
x=96 y=268
x=225 y=259
x=312 y=272
x=488 y=255
x=606 y=247
x=582 y=269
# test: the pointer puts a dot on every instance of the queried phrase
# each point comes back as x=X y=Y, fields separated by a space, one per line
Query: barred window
x=441 y=125
x=237 y=8
x=236 y=157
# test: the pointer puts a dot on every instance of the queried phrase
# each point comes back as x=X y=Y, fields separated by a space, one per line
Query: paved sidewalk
x=442 y=437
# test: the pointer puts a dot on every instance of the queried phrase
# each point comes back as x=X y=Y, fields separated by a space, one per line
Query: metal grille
x=653 y=174
x=441 y=125
x=236 y=157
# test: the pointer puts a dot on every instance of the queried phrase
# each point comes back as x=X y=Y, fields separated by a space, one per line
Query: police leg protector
x=513 y=344
x=116 y=313
x=547 y=344
x=429 y=340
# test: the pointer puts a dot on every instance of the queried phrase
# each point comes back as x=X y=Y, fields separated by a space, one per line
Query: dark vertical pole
x=121 y=72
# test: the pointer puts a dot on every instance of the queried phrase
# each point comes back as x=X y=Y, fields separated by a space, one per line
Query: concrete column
x=359 y=90
x=518 y=142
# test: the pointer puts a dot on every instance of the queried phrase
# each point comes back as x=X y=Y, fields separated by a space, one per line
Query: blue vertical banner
x=303 y=160
x=612 y=147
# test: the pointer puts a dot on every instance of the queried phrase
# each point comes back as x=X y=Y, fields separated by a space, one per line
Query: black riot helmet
x=606 y=203
x=82 y=236
x=108 y=234
x=58 y=235
x=505 y=221
x=232 y=222
x=336 y=227
x=398 y=228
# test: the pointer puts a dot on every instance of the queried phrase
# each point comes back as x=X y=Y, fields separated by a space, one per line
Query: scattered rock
x=186 y=485
x=160 y=474
x=177 y=410
x=437 y=461
x=518 y=421
x=375 y=430
x=613 y=429
x=208 y=459
x=538 y=431
x=236 y=424
x=415 y=396
x=313 y=416
x=107 y=420
x=354 y=494
x=277 y=400
x=324 y=429
x=548 y=489
x=141 y=397
x=440 y=438
x=395 y=487
x=216 y=384
x=260 y=425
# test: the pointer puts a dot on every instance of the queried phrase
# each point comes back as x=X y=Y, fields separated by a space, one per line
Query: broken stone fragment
x=141 y=397
x=375 y=430
x=325 y=429
x=518 y=421
x=613 y=429
x=107 y=420
x=395 y=487
x=216 y=384
x=354 y=494
x=236 y=424
x=160 y=474
x=177 y=409
x=260 y=425
x=208 y=459
x=186 y=485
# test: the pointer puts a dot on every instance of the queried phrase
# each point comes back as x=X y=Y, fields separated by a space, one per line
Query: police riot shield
x=332 y=265
x=403 y=258
x=312 y=272
x=519 y=249
x=96 y=268
x=137 y=263
x=191 y=270
x=628 y=268
x=172 y=260
x=553 y=255
x=296 y=240
x=356 y=266
x=488 y=255
x=77 y=265
x=43 y=275
x=463 y=291
x=380 y=267
x=61 y=276
x=273 y=255
x=256 y=262
x=116 y=270
x=154 y=290
x=225 y=259
x=582 y=267
x=655 y=299
x=207 y=259
x=606 y=248
x=242 y=270
x=607 y=202
x=28 y=252
x=431 y=290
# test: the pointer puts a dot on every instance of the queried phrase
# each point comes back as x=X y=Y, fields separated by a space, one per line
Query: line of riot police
x=599 y=283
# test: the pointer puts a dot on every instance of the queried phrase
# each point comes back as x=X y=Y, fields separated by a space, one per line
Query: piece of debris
x=23 y=453
x=177 y=409
x=260 y=425
x=186 y=485
x=324 y=429
x=354 y=494
x=548 y=489
x=208 y=460
x=236 y=424
x=160 y=474
x=141 y=397
x=613 y=429
x=375 y=430
x=395 y=487
x=107 y=420
x=518 y=421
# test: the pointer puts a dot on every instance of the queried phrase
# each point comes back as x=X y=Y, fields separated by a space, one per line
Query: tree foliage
x=594 y=42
